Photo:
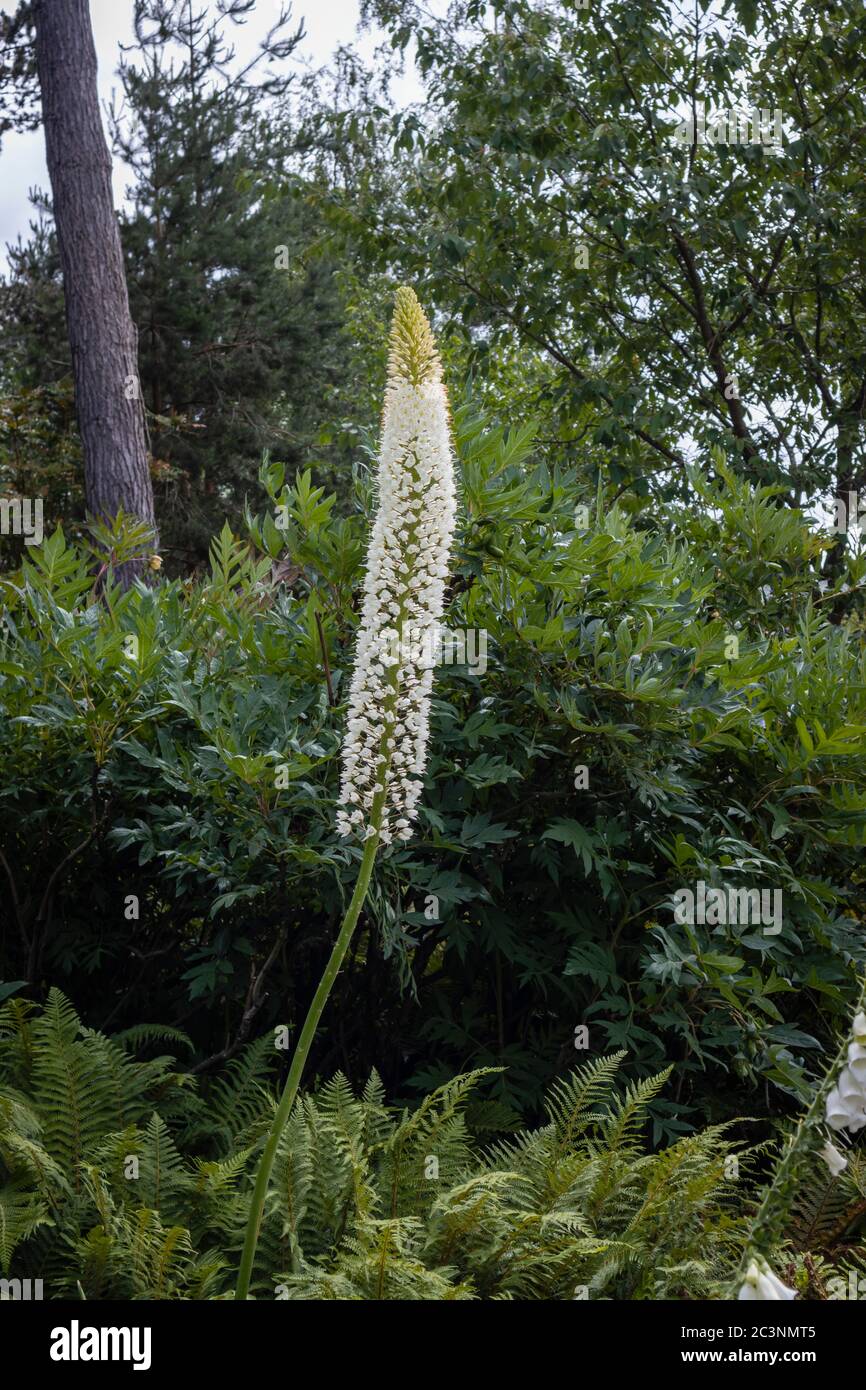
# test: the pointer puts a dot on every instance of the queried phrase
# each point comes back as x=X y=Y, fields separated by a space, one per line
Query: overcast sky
x=22 y=157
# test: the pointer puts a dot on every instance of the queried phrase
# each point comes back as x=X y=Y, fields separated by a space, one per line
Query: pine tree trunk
x=849 y=485
x=102 y=336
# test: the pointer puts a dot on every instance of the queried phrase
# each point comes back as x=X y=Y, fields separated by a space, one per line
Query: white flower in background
x=763 y=1285
x=385 y=748
x=846 y=1101
x=835 y=1161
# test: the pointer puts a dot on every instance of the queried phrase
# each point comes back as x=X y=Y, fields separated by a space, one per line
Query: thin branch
x=325 y=662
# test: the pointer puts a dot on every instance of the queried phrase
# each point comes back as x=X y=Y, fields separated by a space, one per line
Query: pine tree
x=240 y=313
x=233 y=326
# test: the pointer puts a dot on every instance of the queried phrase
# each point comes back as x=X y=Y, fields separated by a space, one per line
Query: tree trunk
x=849 y=485
x=102 y=336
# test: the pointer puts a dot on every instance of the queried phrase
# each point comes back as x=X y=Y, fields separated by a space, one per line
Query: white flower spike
x=385 y=748
x=846 y=1101
x=762 y=1285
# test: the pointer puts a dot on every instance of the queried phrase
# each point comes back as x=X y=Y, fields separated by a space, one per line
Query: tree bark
x=102 y=336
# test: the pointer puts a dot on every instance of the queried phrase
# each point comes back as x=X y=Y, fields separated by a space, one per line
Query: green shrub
x=175 y=745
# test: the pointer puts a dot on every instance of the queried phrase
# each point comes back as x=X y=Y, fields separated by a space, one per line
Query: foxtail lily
x=385 y=747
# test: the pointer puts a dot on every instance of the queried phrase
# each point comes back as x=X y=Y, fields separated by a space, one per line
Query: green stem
x=290 y=1091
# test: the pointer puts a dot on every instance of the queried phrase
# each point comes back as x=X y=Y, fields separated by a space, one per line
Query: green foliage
x=40 y=457
x=665 y=352
x=167 y=818
x=649 y=296
x=369 y=1201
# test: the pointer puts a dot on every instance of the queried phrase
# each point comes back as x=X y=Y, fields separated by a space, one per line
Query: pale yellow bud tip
x=412 y=352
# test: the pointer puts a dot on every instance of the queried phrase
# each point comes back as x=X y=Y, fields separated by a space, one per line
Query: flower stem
x=290 y=1091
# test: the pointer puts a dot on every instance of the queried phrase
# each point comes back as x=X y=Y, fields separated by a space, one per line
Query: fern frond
x=569 y=1100
x=20 y=1215
x=142 y=1034
x=429 y=1148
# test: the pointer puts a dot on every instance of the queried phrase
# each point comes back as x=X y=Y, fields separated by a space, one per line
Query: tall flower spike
x=385 y=748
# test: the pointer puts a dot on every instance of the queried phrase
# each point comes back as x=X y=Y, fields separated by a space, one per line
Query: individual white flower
x=846 y=1104
x=762 y=1284
x=857 y=1061
x=835 y=1161
x=385 y=749
x=837 y=1113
